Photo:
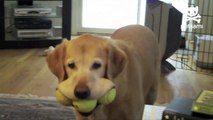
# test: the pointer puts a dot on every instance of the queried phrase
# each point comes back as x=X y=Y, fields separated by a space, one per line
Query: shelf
x=36 y=0
x=55 y=33
x=60 y=26
x=29 y=44
x=34 y=39
x=50 y=16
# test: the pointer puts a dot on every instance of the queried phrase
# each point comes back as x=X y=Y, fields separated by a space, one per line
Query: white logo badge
x=192 y=14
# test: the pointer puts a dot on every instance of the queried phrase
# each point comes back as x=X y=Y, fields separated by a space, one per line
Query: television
x=165 y=21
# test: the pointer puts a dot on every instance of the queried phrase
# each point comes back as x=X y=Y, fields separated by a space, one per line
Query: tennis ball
x=108 y=97
x=85 y=106
x=62 y=98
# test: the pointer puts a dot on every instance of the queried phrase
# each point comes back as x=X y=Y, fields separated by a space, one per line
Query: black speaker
x=25 y=2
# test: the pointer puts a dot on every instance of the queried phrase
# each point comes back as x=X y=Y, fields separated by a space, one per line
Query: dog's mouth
x=86 y=114
x=78 y=105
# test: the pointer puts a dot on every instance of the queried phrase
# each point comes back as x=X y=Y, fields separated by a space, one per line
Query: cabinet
x=42 y=24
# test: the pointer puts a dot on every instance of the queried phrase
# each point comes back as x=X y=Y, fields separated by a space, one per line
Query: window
x=104 y=16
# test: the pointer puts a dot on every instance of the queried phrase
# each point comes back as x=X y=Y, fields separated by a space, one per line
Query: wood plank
x=183 y=83
x=25 y=71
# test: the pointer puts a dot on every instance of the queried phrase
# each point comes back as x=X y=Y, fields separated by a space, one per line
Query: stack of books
x=182 y=108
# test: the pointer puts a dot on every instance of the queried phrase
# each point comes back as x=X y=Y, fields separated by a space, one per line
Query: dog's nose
x=82 y=91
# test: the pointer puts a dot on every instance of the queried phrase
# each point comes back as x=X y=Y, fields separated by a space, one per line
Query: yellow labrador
x=130 y=60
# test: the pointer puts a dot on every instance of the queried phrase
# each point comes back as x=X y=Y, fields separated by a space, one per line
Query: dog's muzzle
x=88 y=113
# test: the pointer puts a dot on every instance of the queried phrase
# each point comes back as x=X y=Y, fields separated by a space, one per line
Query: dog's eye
x=96 y=65
x=72 y=65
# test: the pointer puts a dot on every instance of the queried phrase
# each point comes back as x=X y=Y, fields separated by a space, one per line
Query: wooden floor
x=24 y=71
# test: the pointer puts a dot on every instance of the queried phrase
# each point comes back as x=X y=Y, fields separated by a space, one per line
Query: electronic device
x=59 y=10
x=33 y=33
x=33 y=23
x=32 y=11
x=25 y=2
x=57 y=31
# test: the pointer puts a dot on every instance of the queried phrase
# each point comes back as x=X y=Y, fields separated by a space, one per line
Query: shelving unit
x=60 y=27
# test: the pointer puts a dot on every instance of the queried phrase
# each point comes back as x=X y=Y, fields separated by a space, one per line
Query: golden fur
x=130 y=59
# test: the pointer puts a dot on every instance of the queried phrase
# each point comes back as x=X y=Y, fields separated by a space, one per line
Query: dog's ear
x=117 y=61
x=55 y=60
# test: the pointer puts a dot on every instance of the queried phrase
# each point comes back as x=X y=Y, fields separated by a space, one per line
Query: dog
x=130 y=60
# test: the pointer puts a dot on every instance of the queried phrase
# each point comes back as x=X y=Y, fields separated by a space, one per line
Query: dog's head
x=81 y=63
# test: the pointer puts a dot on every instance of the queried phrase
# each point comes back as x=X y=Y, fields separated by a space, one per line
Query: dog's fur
x=130 y=59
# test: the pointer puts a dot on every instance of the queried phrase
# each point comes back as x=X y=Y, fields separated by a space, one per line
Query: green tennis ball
x=85 y=106
x=108 y=97
x=62 y=98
